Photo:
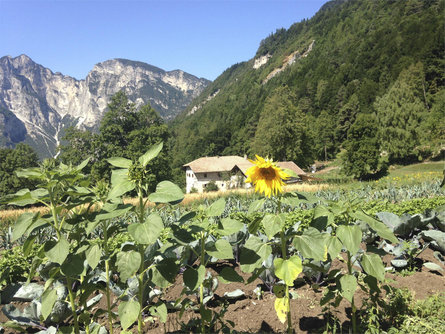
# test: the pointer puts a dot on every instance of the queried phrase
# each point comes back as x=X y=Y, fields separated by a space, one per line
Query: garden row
x=92 y=247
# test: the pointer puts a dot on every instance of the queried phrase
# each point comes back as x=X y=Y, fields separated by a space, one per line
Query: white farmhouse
x=227 y=172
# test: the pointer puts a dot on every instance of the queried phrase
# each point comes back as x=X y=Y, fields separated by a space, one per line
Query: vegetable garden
x=93 y=264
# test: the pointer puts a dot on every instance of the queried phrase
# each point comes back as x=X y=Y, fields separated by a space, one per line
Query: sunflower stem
x=201 y=287
x=284 y=254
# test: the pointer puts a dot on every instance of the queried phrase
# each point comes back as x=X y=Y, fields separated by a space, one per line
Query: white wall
x=200 y=180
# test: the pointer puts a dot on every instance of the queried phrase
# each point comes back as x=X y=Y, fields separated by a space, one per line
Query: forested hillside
x=356 y=67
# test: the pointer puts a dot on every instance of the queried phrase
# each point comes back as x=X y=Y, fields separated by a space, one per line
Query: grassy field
x=397 y=175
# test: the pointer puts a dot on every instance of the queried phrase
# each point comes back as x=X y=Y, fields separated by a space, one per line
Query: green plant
x=211 y=186
x=256 y=253
x=347 y=235
x=62 y=190
x=132 y=261
x=14 y=265
x=402 y=314
x=204 y=236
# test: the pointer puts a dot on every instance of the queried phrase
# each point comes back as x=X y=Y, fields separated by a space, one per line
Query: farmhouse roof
x=228 y=163
x=215 y=164
x=292 y=166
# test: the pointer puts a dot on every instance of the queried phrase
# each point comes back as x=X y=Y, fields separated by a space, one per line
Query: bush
x=211 y=186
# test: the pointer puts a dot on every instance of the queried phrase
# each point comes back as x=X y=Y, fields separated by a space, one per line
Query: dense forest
x=367 y=82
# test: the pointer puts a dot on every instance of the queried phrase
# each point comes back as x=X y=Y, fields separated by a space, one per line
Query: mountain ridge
x=45 y=103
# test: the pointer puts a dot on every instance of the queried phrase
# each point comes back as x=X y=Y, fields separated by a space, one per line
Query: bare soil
x=253 y=315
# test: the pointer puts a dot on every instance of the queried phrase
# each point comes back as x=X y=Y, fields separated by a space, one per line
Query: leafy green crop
x=14 y=265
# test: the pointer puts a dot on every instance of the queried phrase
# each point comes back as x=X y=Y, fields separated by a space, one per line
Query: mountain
x=37 y=104
x=297 y=98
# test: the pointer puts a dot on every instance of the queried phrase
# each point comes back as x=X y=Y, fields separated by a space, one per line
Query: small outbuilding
x=227 y=172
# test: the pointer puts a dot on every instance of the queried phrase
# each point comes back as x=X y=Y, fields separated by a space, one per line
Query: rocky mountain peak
x=45 y=102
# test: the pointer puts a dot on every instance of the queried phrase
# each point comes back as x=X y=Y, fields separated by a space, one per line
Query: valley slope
x=297 y=98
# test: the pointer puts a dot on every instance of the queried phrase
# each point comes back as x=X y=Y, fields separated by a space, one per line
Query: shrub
x=211 y=186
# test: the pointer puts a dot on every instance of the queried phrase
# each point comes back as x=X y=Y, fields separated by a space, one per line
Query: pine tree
x=400 y=112
x=361 y=158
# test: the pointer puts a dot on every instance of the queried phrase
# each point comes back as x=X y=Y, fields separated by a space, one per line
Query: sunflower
x=266 y=176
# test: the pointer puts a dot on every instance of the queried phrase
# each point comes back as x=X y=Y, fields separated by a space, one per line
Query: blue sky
x=201 y=37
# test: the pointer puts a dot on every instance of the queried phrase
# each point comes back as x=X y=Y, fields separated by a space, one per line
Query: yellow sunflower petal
x=266 y=176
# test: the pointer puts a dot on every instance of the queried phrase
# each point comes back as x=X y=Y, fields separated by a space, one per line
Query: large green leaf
x=433 y=266
x=39 y=193
x=272 y=224
x=253 y=254
x=334 y=245
x=21 y=198
x=128 y=313
x=28 y=245
x=165 y=272
x=119 y=162
x=148 y=232
x=292 y=201
x=182 y=236
x=350 y=236
x=93 y=255
x=221 y=249
x=380 y=228
x=128 y=264
x=151 y=154
x=373 y=266
x=403 y=225
x=29 y=172
x=160 y=310
x=217 y=208
x=166 y=192
x=83 y=164
x=322 y=211
x=194 y=277
x=73 y=266
x=121 y=188
x=22 y=224
x=311 y=244
x=254 y=225
x=229 y=226
x=110 y=211
x=57 y=251
x=49 y=297
x=117 y=175
x=256 y=206
x=206 y=314
x=348 y=285
x=288 y=270
x=229 y=275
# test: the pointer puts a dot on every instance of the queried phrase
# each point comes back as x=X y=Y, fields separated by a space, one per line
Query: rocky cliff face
x=37 y=104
